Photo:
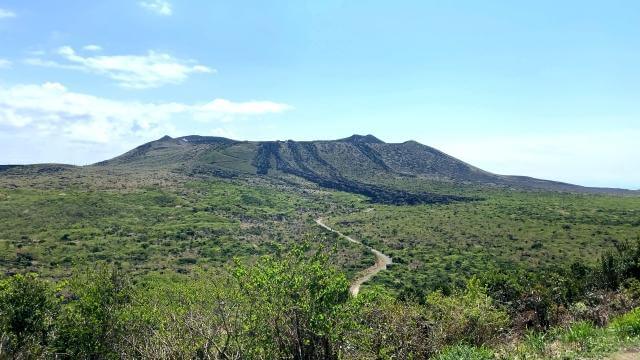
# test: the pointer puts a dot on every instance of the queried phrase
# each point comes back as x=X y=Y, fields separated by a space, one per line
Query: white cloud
x=250 y=107
x=131 y=71
x=92 y=47
x=596 y=158
x=4 y=13
x=4 y=63
x=52 y=110
x=160 y=7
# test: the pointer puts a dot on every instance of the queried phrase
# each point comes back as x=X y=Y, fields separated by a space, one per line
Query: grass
x=153 y=228
x=581 y=340
x=465 y=352
x=435 y=244
x=166 y=222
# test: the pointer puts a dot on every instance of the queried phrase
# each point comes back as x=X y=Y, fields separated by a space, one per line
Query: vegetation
x=179 y=250
x=151 y=229
x=296 y=306
x=438 y=246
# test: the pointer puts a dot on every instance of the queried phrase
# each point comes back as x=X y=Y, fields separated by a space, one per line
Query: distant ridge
x=357 y=158
x=361 y=164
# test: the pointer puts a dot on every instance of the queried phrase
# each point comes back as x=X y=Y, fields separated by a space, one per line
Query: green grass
x=581 y=340
x=162 y=223
x=465 y=352
x=434 y=244
x=154 y=228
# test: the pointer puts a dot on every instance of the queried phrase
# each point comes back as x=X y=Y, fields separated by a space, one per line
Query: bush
x=628 y=324
x=298 y=307
x=389 y=329
x=28 y=309
x=202 y=318
x=89 y=326
x=469 y=317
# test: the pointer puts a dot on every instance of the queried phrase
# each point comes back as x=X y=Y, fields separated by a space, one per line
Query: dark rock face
x=270 y=151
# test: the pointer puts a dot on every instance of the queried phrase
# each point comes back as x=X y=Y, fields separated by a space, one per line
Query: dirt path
x=381 y=263
x=632 y=354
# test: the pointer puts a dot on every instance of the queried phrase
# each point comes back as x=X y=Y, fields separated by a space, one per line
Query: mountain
x=360 y=164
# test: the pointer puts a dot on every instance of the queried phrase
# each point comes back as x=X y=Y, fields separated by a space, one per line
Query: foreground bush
x=469 y=316
x=28 y=309
x=201 y=318
x=388 y=329
x=89 y=325
x=628 y=324
x=296 y=306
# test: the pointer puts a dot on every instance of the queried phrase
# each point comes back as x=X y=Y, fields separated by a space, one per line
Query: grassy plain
x=435 y=245
x=49 y=227
x=165 y=229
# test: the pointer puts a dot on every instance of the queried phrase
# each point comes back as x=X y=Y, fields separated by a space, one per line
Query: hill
x=359 y=164
x=181 y=214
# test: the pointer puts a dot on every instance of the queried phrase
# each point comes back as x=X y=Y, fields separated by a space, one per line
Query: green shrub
x=186 y=261
x=200 y=317
x=28 y=308
x=89 y=326
x=469 y=316
x=628 y=324
x=299 y=306
x=388 y=328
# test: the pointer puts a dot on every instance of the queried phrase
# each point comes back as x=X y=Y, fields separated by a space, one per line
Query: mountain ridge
x=362 y=156
x=361 y=164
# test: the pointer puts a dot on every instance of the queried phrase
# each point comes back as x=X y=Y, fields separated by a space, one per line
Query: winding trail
x=381 y=263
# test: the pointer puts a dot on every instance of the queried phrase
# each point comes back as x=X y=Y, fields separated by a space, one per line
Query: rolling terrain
x=176 y=203
x=193 y=220
x=198 y=188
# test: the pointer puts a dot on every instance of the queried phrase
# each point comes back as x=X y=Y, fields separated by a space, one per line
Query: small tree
x=89 y=324
x=297 y=305
x=465 y=317
x=28 y=308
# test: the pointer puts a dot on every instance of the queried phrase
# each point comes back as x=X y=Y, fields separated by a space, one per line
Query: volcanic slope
x=357 y=164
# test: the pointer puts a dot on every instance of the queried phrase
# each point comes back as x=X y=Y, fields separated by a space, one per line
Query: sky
x=549 y=89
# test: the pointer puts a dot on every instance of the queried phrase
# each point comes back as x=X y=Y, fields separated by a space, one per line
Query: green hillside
x=177 y=215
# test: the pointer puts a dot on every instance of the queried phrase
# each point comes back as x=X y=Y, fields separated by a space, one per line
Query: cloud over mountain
x=151 y=70
x=52 y=109
x=160 y=7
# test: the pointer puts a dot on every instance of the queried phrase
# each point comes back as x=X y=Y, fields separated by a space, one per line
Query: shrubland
x=103 y=266
x=297 y=306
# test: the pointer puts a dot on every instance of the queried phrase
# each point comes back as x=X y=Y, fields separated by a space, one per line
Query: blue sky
x=548 y=89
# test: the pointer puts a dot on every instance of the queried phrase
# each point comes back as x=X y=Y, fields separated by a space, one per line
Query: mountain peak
x=369 y=139
x=355 y=164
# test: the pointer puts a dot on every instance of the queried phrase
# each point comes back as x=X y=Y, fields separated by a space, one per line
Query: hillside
x=180 y=219
x=358 y=164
